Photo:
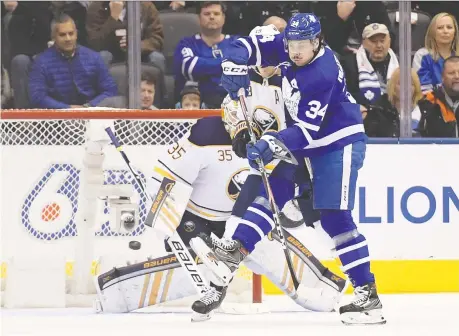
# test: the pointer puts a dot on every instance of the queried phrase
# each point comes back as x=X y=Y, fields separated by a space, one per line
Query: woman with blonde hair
x=383 y=118
x=441 y=42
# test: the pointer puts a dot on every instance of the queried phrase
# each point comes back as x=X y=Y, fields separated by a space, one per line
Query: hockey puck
x=134 y=245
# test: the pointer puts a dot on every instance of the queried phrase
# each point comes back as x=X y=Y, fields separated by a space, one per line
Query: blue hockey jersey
x=325 y=117
x=195 y=61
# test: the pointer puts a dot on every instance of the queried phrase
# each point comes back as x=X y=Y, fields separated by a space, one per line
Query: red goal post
x=31 y=127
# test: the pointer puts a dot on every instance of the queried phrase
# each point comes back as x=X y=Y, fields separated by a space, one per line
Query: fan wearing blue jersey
x=326 y=128
x=198 y=58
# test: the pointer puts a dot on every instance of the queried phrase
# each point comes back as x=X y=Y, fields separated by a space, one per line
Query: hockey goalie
x=204 y=159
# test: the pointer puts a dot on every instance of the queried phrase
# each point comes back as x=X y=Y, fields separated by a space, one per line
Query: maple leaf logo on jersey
x=292 y=96
x=369 y=95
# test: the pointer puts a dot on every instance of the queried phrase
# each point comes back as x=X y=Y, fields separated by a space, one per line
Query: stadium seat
x=418 y=30
x=176 y=25
x=169 y=99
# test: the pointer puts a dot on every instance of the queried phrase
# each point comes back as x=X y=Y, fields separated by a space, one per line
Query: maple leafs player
x=265 y=102
x=327 y=128
x=204 y=159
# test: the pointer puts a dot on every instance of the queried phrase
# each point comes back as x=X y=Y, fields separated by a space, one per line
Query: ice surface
x=428 y=314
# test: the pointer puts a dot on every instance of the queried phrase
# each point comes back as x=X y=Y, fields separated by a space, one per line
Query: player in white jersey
x=204 y=159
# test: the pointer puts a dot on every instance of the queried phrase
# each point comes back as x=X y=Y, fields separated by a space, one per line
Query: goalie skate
x=366 y=308
x=222 y=256
x=205 y=306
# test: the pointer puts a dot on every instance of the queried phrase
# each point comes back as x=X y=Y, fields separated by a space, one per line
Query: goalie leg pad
x=128 y=288
x=320 y=289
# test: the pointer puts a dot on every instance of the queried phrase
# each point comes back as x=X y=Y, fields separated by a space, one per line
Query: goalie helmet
x=261 y=118
x=231 y=115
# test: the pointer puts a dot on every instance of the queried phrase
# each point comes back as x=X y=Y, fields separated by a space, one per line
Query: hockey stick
x=176 y=243
x=272 y=203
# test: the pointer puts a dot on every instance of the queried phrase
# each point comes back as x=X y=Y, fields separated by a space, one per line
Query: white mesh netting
x=72 y=132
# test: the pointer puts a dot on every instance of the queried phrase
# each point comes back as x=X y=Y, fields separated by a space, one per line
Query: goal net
x=56 y=235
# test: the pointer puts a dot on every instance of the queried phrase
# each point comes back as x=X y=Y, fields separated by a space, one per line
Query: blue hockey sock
x=351 y=246
x=355 y=260
x=256 y=223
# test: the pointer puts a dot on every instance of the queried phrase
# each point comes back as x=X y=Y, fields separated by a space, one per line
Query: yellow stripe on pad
x=155 y=289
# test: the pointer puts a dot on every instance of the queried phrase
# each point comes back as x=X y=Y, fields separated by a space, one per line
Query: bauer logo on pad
x=158 y=202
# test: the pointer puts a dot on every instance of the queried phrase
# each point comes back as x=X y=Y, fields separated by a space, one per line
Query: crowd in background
x=73 y=54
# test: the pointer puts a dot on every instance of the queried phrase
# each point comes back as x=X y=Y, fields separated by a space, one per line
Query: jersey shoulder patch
x=209 y=131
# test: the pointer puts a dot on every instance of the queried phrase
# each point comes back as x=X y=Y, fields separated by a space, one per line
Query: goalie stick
x=264 y=176
x=176 y=243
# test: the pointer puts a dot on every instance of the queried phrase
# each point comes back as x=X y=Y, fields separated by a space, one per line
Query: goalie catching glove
x=242 y=138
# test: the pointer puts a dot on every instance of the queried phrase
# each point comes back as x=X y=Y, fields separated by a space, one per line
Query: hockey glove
x=242 y=138
x=234 y=77
x=261 y=150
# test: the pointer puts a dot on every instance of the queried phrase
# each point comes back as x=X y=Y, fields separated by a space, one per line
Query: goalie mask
x=303 y=38
x=230 y=115
x=263 y=119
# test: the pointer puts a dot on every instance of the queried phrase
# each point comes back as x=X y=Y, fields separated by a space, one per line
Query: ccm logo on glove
x=229 y=68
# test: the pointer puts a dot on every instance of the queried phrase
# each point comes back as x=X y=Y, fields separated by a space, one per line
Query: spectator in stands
x=106 y=26
x=382 y=119
x=190 y=97
x=29 y=35
x=343 y=22
x=77 y=11
x=278 y=22
x=368 y=71
x=198 y=58
x=440 y=107
x=68 y=75
x=147 y=91
x=442 y=41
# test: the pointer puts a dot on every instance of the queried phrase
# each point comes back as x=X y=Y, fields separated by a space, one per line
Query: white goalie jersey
x=203 y=159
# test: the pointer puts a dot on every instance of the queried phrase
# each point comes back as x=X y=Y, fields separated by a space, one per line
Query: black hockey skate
x=212 y=299
x=366 y=308
x=222 y=256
